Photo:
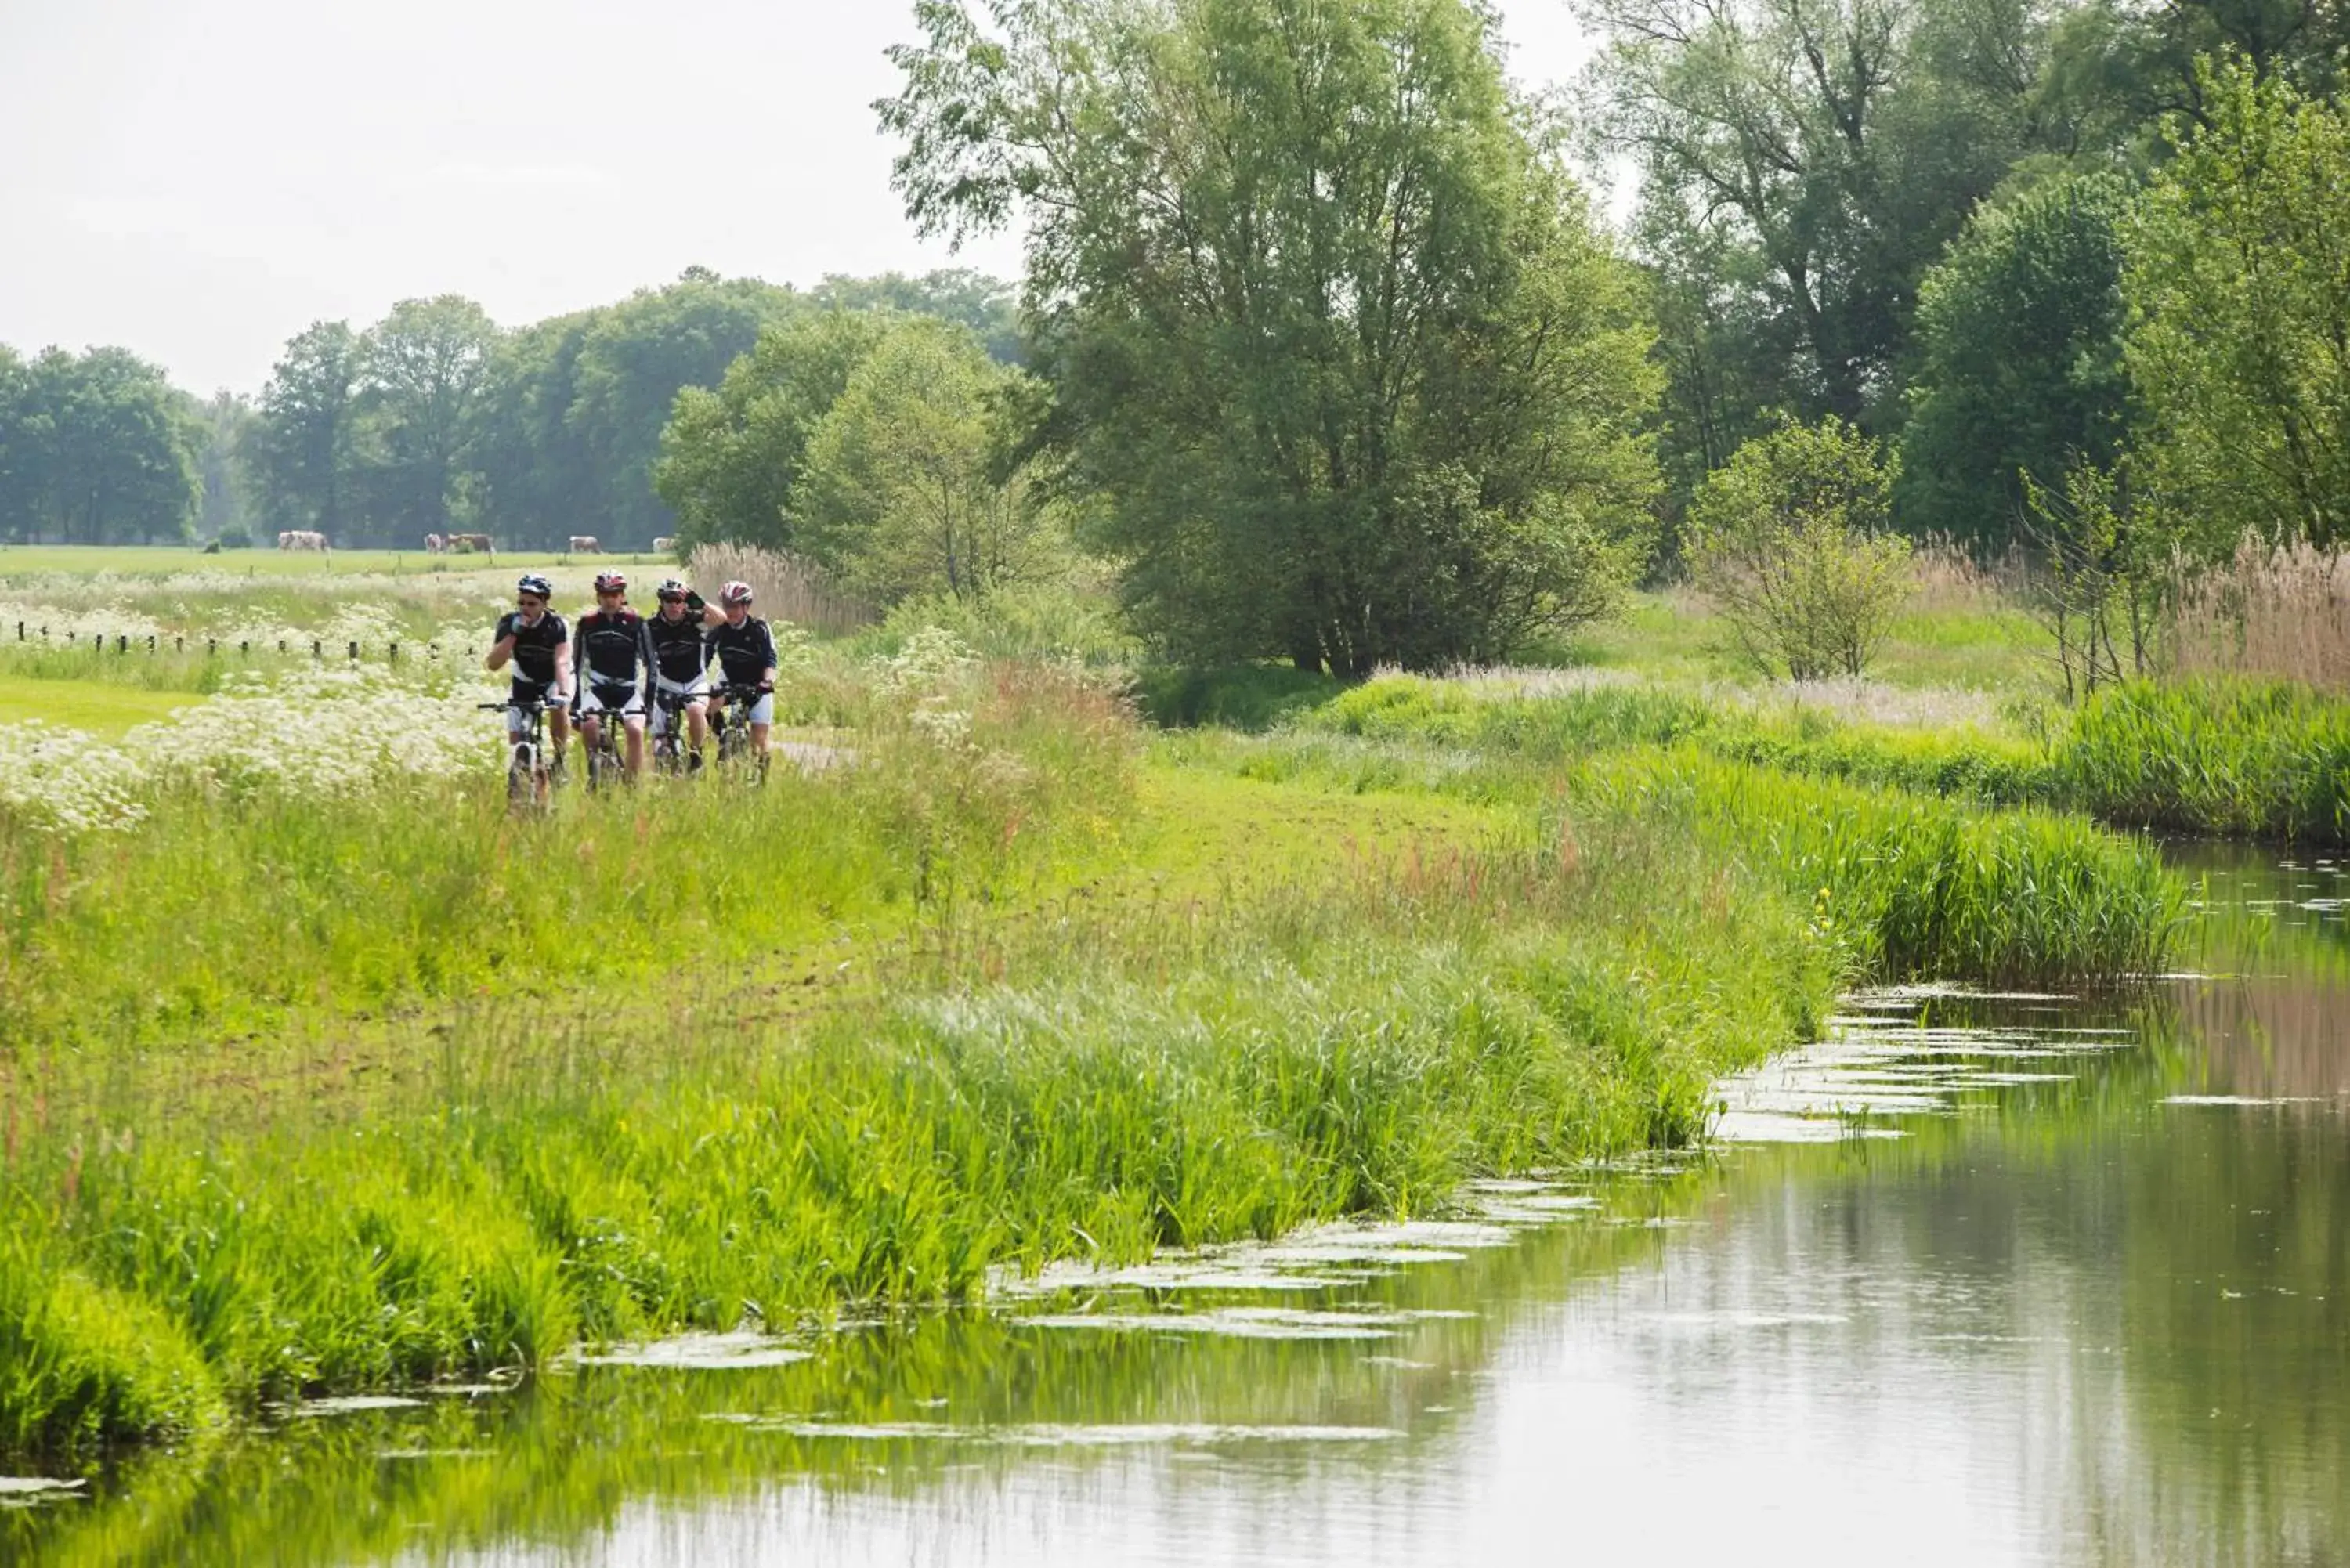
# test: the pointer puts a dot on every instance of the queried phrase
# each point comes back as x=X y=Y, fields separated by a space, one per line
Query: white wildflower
x=928 y=663
x=63 y=781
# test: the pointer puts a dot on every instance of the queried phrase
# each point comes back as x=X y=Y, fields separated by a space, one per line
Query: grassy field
x=102 y=708
x=156 y=561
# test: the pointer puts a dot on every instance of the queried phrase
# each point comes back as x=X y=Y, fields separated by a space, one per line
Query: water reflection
x=2041 y=1282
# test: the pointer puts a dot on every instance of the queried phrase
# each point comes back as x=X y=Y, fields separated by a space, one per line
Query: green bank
x=316 y=1096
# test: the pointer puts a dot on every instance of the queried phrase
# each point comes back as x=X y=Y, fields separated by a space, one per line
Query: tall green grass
x=2217 y=757
x=222 y=915
x=1919 y=887
x=1914 y=885
x=1141 y=1076
x=1062 y=1049
x=2229 y=758
x=1572 y=725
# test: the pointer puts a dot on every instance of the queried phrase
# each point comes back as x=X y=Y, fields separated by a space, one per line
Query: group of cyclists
x=618 y=664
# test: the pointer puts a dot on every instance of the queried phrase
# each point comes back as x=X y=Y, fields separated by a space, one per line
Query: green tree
x=20 y=440
x=1803 y=164
x=634 y=358
x=2238 y=287
x=110 y=454
x=568 y=426
x=988 y=305
x=424 y=369
x=732 y=458
x=1792 y=540
x=2019 y=358
x=1326 y=327
x=303 y=453
x=537 y=482
x=2116 y=70
x=906 y=489
x=226 y=424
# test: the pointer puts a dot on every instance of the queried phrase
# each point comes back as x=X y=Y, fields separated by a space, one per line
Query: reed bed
x=789 y=587
x=1796 y=737
x=2229 y=758
x=1918 y=888
x=2218 y=756
x=2282 y=614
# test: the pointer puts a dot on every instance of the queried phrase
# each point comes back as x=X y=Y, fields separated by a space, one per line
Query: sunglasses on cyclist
x=527 y=600
x=672 y=599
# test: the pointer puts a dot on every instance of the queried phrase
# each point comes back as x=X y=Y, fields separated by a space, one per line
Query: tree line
x=100 y=449
x=434 y=420
x=1330 y=357
x=1323 y=352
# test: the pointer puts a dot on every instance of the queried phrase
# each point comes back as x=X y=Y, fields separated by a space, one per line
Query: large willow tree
x=1327 y=328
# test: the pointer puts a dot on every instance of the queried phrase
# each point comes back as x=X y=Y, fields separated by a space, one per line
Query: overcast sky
x=197 y=183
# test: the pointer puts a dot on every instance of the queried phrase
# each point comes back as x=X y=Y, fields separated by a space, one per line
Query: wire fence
x=124 y=644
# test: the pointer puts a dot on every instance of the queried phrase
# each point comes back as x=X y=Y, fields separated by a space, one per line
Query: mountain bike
x=605 y=764
x=673 y=753
x=735 y=748
x=529 y=779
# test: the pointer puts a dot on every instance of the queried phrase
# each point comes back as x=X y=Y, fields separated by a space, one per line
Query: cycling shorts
x=608 y=697
x=683 y=693
x=762 y=712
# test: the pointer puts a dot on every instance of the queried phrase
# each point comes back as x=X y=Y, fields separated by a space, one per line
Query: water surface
x=2007 y=1279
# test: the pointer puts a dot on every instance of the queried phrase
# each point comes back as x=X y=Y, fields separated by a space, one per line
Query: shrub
x=1790 y=540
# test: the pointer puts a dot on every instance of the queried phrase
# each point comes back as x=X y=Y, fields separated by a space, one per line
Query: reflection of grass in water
x=2206 y=1245
x=564 y=1457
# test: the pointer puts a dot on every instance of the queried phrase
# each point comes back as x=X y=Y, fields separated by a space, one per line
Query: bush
x=1790 y=540
x=1059 y=617
x=234 y=536
x=1241 y=697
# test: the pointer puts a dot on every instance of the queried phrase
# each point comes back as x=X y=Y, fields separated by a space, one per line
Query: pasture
x=267 y=562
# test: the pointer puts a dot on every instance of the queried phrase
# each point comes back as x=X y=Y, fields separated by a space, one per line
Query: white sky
x=198 y=182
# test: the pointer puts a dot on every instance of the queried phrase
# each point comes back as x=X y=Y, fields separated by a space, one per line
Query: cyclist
x=611 y=648
x=681 y=662
x=746 y=657
x=534 y=639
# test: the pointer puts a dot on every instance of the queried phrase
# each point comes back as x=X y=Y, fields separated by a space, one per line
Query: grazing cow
x=585 y=545
x=665 y=546
x=301 y=539
x=436 y=544
x=471 y=545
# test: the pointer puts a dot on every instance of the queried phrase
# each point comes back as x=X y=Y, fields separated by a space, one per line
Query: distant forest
x=432 y=421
